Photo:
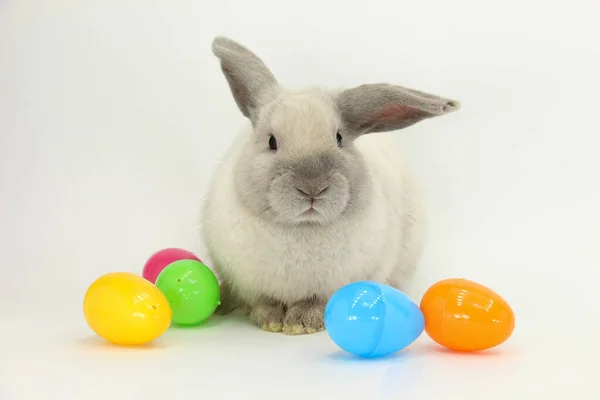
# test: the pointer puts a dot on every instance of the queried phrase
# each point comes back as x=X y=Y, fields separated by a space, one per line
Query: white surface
x=113 y=115
x=229 y=359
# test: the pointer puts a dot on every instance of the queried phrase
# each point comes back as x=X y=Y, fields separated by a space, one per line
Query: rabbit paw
x=269 y=317
x=304 y=317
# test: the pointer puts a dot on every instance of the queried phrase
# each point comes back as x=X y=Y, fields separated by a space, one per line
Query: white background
x=113 y=115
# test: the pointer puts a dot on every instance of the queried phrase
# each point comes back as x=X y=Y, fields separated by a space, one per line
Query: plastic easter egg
x=465 y=316
x=192 y=290
x=124 y=308
x=159 y=260
x=369 y=319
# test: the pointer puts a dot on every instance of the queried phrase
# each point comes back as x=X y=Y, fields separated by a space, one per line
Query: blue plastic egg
x=369 y=319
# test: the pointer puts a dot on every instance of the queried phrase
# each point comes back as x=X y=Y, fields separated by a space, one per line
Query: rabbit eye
x=273 y=143
x=339 y=139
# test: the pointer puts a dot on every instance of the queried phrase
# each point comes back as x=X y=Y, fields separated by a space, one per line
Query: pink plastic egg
x=159 y=260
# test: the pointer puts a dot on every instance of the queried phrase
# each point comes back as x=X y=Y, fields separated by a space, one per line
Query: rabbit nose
x=302 y=192
x=322 y=190
x=312 y=174
x=312 y=192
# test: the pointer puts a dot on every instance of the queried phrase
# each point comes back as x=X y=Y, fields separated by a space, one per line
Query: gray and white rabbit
x=313 y=195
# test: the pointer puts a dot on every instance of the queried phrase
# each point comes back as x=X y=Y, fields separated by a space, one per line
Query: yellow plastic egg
x=126 y=309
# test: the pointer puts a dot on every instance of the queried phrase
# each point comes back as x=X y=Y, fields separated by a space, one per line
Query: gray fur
x=269 y=315
x=383 y=107
x=250 y=80
x=305 y=316
x=285 y=229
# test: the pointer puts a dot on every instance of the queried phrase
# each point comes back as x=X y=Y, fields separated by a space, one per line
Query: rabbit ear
x=382 y=107
x=249 y=79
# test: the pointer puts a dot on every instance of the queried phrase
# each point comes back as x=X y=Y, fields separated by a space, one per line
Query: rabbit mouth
x=294 y=200
x=311 y=215
x=311 y=212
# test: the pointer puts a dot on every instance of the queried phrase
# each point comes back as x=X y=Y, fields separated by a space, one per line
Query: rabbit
x=312 y=195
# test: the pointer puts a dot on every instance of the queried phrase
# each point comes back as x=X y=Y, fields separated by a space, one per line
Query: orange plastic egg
x=463 y=315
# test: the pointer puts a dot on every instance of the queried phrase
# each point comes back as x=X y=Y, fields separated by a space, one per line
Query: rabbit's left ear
x=382 y=107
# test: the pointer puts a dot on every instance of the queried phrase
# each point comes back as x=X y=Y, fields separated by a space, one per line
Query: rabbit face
x=300 y=166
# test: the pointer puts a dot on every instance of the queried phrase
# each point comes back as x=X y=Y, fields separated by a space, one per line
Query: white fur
x=381 y=242
x=314 y=195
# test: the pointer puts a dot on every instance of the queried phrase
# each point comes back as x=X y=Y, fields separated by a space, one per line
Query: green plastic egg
x=192 y=290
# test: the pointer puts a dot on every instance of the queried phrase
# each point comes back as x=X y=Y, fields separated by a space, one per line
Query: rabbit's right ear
x=250 y=81
x=384 y=107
